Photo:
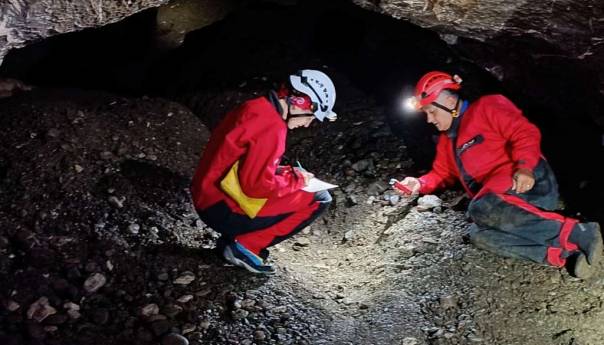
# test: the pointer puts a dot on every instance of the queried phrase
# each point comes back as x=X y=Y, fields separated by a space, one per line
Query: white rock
x=113 y=200
x=150 y=310
x=185 y=278
x=427 y=202
x=74 y=314
x=410 y=341
x=71 y=306
x=94 y=282
x=134 y=228
x=12 y=306
x=185 y=298
x=40 y=310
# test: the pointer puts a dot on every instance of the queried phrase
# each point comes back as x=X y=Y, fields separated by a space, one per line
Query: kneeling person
x=494 y=151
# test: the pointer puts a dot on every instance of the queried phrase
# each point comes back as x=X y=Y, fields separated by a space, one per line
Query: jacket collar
x=274 y=100
x=452 y=132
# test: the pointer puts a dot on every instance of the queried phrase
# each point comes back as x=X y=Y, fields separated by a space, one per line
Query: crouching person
x=239 y=188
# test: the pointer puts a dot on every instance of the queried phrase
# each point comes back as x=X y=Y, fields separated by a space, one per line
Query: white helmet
x=316 y=85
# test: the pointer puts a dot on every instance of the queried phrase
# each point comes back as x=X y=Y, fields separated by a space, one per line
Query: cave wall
x=26 y=21
x=559 y=88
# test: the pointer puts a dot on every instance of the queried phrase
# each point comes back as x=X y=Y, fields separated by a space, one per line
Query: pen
x=300 y=166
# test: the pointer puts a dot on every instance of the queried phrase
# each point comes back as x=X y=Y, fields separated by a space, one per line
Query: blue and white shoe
x=238 y=255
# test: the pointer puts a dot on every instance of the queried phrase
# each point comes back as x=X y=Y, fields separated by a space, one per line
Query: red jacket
x=253 y=134
x=492 y=139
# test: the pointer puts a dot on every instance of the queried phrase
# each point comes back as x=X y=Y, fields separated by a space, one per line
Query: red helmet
x=431 y=84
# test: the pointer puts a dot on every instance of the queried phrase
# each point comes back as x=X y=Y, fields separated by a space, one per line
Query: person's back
x=229 y=142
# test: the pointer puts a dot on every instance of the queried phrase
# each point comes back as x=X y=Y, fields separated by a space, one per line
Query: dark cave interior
x=368 y=54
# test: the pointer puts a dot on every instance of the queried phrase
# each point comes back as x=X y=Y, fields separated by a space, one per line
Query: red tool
x=398 y=185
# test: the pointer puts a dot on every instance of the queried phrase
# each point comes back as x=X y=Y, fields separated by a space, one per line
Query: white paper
x=316 y=185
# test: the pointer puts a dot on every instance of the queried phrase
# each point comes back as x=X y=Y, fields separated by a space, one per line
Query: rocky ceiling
x=575 y=26
x=26 y=21
x=571 y=29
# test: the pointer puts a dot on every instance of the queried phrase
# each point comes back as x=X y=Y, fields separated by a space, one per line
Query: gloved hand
x=523 y=181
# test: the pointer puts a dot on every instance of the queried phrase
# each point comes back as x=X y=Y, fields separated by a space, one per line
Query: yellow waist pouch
x=230 y=185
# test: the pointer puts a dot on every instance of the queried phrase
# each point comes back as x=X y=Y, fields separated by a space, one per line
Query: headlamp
x=411 y=104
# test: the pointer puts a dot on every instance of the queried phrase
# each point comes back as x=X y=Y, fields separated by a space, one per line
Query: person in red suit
x=240 y=189
x=494 y=151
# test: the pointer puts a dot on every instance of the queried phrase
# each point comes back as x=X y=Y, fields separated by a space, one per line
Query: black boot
x=588 y=238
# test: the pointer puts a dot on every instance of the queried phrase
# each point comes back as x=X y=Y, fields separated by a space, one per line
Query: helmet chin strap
x=453 y=110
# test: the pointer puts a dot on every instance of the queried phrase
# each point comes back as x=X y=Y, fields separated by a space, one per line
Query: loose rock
x=94 y=282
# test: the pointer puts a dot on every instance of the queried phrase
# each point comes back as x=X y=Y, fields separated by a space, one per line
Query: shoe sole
x=230 y=257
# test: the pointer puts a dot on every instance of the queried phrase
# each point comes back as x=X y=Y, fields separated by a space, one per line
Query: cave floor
x=99 y=243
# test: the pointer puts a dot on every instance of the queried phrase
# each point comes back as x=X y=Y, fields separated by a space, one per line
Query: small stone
x=74 y=314
x=78 y=168
x=448 y=302
x=114 y=201
x=174 y=339
x=188 y=328
x=149 y=310
x=50 y=329
x=474 y=338
x=163 y=276
x=279 y=310
x=376 y=188
x=185 y=278
x=185 y=298
x=362 y=165
x=302 y=242
x=248 y=303
x=94 y=282
x=40 y=310
x=240 y=314
x=348 y=235
x=259 y=335
x=394 y=199
x=106 y=155
x=71 y=306
x=205 y=324
x=12 y=306
x=134 y=228
x=428 y=202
